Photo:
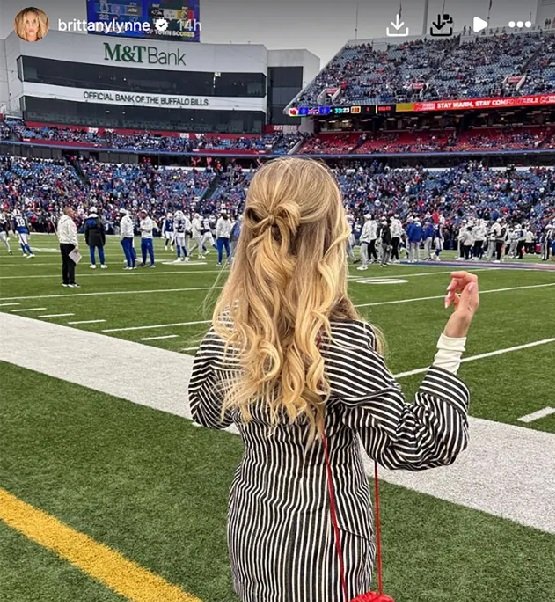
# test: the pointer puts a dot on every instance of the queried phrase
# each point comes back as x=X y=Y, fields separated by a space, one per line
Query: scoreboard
x=169 y=19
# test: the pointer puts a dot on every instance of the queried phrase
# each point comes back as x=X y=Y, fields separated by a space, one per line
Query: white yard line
x=188 y=348
x=168 y=336
x=154 y=326
x=493 y=290
x=481 y=356
x=109 y=293
x=101 y=274
x=86 y=322
x=537 y=415
x=30 y=309
x=521 y=459
x=6 y=304
x=57 y=316
x=405 y=275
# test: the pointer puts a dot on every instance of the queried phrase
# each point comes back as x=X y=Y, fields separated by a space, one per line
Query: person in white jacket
x=223 y=235
x=67 y=236
x=147 y=246
x=127 y=231
x=365 y=242
x=196 y=226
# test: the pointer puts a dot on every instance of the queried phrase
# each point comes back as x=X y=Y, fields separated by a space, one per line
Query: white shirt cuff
x=448 y=356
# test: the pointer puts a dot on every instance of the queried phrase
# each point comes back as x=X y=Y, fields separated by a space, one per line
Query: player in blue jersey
x=168 y=231
x=21 y=227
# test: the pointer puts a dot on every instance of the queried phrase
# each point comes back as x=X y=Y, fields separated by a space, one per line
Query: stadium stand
x=469 y=191
x=487 y=139
x=79 y=137
x=506 y=64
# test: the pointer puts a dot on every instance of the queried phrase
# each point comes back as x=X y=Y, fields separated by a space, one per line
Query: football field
x=132 y=500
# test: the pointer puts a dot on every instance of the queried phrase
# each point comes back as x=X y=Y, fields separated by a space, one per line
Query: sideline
x=515 y=455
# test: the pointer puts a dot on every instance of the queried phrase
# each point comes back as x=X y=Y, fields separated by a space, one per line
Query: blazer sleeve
x=205 y=388
x=430 y=432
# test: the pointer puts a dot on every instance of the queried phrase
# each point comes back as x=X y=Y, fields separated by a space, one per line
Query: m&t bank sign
x=119 y=53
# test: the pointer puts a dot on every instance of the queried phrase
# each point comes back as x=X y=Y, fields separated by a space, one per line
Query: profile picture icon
x=31 y=24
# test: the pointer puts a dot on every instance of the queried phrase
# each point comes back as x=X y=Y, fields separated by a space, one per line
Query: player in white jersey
x=196 y=236
x=207 y=239
x=5 y=231
x=20 y=226
x=180 y=230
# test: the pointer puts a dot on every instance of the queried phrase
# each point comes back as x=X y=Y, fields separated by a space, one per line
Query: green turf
x=155 y=488
x=29 y=573
x=505 y=319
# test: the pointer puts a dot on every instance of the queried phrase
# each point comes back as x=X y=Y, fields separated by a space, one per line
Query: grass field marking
x=154 y=326
x=57 y=316
x=6 y=304
x=97 y=560
x=537 y=415
x=418 y=274
x=108 y=293
x=188 y=349
x=31 y=309
x=86 y=322
x=493 y=290
x=481 y=356
x=97 y=275
x=167 y=336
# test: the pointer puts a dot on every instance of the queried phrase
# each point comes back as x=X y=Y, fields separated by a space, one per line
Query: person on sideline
x=127 y=233
x=147 y=245
x=396 y=234
x=428 y=237
x=234 y=234
x=386 y=241
x=365 y=239
x=5 y=232
x=67 y=236
x=288 y=359
x=414 y=238
x=196 y=229
x=95 y=237
x=223 y=234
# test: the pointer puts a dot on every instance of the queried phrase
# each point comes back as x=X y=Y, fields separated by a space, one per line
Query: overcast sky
x=321 y=26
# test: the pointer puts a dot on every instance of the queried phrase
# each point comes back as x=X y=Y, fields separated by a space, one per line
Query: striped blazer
x=280 y=535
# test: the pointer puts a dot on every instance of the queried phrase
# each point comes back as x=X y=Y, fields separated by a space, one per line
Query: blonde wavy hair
x=287 y=282
x=42 y=19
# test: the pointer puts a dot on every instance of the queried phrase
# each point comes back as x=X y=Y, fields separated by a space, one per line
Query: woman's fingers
x=462 y=283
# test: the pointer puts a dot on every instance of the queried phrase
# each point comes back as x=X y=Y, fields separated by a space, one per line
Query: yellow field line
x=97 y=560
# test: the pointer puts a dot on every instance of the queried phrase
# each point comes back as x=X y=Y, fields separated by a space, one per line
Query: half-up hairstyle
x=287 y=281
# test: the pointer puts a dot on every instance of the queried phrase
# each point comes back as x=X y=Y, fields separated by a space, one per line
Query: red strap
x=378 y=523
x=334 y=520
x=333 y=512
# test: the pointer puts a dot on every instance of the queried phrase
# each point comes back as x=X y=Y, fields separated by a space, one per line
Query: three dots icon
x=520 y=24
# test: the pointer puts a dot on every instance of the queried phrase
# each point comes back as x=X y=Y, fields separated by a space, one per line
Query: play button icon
x=478 y=24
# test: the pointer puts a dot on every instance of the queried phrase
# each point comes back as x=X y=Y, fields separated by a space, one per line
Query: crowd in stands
x=488 y=139
x=427 y=69
x=277 y=143
x=471 y=191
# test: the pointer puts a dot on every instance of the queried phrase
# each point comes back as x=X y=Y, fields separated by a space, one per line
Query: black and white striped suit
x=279 y=532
